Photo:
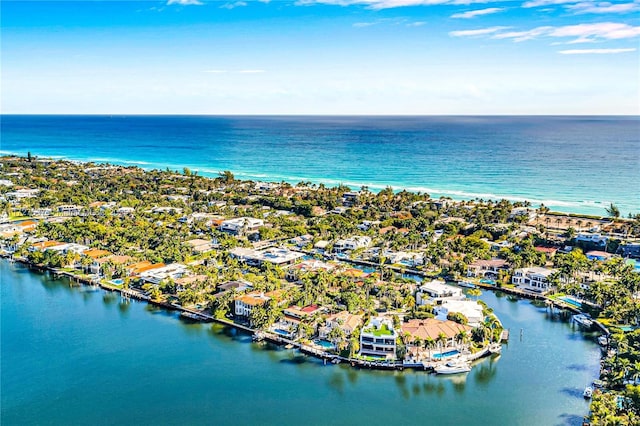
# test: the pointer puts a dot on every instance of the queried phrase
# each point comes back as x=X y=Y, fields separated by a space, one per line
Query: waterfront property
x=436 y=292
x=533 y=278
x=378 y=338
x=471 y=310
x=445 y=335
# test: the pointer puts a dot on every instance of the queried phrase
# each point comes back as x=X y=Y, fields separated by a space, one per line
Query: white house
x=469 y=308
x=534 y=278
x=378 y=338
x=241 y=225
x=172 y=271
x=352 y=243
x=436 y=292
x=276 y=256
x=592 y=238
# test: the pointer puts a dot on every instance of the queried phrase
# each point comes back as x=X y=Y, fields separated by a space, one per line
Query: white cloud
x=478 y=32
x=233 y=5
x=603 y=7
x=389 y=4
x=416 y=24
x=538 y=3
x=480 y=12
x=581 y=33
x=365 y=24
x=184 y=2
x=595 y=51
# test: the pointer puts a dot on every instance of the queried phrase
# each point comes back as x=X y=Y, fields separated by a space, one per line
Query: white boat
x=495 y=348
x=453 y=367
x=583 y=320
x=588 y=392
x=466 y=284
x=603 y=340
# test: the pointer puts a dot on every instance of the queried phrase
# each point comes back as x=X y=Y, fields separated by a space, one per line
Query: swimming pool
x=445 y=354
x=486 y=281
x=282 y=332
x=118 y=281
x=571 y=301
x=325 y=344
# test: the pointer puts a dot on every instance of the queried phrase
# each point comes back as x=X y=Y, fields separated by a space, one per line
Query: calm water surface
x=73 y=356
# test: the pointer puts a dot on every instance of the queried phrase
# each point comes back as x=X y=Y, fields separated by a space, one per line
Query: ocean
x=572 y=164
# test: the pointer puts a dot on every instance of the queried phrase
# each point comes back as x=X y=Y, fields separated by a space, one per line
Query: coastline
x=259 y=335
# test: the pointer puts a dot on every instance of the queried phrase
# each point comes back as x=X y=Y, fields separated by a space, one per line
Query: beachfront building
x=343 y=320
x=241 y=225
x=533 y=279
x=445 y=335
x=352 y=243
x=378 y=338
x=487 y=268
x=436 y=292
x=471 y=309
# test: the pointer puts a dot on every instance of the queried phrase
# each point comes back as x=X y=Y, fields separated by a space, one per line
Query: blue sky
x=321 y=57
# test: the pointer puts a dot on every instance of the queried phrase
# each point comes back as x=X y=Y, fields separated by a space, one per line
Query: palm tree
x=613 y=211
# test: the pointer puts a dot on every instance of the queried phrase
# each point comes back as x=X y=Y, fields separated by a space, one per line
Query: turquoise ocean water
x=575 y=164
x=71 y=356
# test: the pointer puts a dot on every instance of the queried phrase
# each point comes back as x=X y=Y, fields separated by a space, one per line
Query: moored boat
x=453 y=367
x=583 y=319
x=588 y=392
x=466 y=284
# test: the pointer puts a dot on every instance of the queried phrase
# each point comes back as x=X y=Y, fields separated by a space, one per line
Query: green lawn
x=382 y=331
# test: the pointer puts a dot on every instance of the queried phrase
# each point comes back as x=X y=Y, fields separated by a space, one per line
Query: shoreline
x=259 y=335
x=560 y=207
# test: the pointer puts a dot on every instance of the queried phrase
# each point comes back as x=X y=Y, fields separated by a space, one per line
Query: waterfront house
x=45 y=245
x=95 y=254
x=138 y=268
x=533 y=278
x=171 y=271
x=344 y=320
x=430 y=329
x=436 y=292
x=244 y=304
x=487 y=268
x=351 y=243
x=471 y=309
x=378 y=338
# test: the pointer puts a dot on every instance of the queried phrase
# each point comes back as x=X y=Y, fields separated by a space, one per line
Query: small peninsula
x=386 y=280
